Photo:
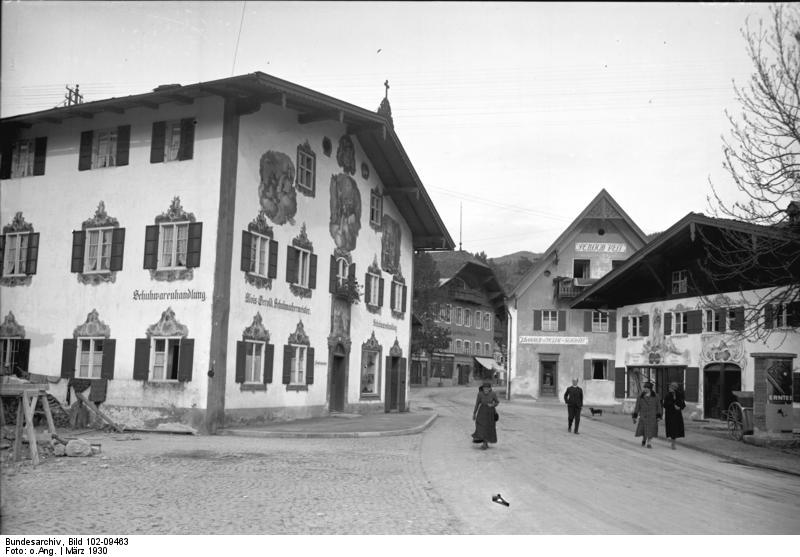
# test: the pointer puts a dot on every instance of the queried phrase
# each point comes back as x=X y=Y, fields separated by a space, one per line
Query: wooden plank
x=28 y=410
x=16 y=389
x=18 y=433
x=91 y=406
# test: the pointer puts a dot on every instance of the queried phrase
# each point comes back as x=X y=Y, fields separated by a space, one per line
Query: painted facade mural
x=276 y=192
x=390 y=245
x=658 y=348
x=345 y=220
x=346 y=154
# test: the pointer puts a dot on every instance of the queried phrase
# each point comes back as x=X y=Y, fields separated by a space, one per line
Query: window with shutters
x=306 y=169
x=711 y=321
x=342 y=266
x=373 y=281
x=15 y=254
x=9 y=348
x=297 y=367
x=599 y=321
x=375 y=209
x=253 y=361
x=165 y=357
x=680 y=281
x=22 y=156
x=398 y=297
x=97 y=251
x=301 y=276
x=259 y=255
x=173 y=240
x=104 y=148
x=549 y=320
x=172 y=140
x=600 y=369
x=89 y=358
x=779 y=317
x=680 y=320
x=635 y=325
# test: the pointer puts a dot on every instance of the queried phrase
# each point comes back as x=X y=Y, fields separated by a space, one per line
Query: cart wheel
x=736 y=421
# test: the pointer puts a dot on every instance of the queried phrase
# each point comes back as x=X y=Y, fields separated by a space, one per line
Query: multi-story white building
x=195 y=253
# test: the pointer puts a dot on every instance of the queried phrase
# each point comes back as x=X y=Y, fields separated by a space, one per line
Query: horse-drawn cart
x=740 y=415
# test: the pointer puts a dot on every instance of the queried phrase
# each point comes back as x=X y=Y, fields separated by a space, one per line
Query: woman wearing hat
x=673 y=416
x=484 y=416
x=648 y=410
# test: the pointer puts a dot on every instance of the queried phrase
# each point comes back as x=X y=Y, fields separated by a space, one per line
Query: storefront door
x=549 y=373
x=719 y=382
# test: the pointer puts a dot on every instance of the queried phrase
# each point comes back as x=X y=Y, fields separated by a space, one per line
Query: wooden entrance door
x=719 y=382
x=390 y=393
x=548 y=376
x=338 y=384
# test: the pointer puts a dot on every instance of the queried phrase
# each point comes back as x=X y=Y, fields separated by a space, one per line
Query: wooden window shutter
x=392 y=297
x=380 y=292
x=793 y=314
x=644 y=326
x=587 y=369
x=157 y=142
x=272 y=267
x=194 y=244
x=5 y=163
x=612 y=321
x=768 y=316
x=312 y=272
x=78 y=247
x=694 y=321
x=241 y=352
x=351 y=272
x=387 y=403
x=117 y=249
x=624 y=327
x=619 y=382
x=610 y=369
x=667 y=323
x=85 y=157
x=109 y=352
x=721 y=315
x=151 y=247
x=401 y=385
x=738 y=319
x=537 y=320
x=247 y=240
x=288 y=352
x=186 y=149
x=367 y=288
x=23 y=353
x=123 y=145
x=309 y=366
x=2 y=252
x=562 y=320
x=68 y=353
x=692 y=382
x=291 y=264
x=587 y=321
x=141 y=359
x=185 y=359
x=33 y=253
x=405 y=297
x=269 y=358
x=332 y=282
x=39 y=156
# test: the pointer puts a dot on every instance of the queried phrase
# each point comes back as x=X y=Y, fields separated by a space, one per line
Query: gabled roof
x=463 y=264
x=373 y=131
x=599 y=203
x=672 y=247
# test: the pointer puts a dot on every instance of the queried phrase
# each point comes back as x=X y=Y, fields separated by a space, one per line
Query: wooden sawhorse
x=27 y=394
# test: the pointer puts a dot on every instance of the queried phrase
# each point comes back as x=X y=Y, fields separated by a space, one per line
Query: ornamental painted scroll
x=93 y=327
x=390 y=245
x=299 y=335
x=168 y=326
x=658 y=347
x=10 y=328
x=346 y=154
x=722 y=349
x=256 y=330
x=276 y=192
x=345 y=218
x=395 y=351
x=99 y=220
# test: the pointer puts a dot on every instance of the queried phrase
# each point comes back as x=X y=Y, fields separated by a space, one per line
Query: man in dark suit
x=574 y=399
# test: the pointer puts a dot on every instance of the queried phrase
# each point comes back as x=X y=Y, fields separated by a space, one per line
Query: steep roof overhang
x=487 y=281
x=373 y=131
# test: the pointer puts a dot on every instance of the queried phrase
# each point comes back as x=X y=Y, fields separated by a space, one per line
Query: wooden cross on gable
x=386 y=84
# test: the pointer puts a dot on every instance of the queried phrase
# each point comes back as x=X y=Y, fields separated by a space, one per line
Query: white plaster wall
x=276 y=129
x=55 y=303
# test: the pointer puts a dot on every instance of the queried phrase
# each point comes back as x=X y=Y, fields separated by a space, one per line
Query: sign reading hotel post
x=553 y=340
x=600 y=247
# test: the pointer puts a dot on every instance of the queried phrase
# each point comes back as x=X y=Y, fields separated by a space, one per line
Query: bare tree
x=762 y=156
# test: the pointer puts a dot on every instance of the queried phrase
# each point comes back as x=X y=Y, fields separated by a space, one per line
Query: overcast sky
x=520 y=112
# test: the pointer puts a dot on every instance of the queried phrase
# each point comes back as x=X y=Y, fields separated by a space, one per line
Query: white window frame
x=711 y=320
x=175 y=247
x=97 y=257
x=478 y=319
x=780 y=316
x=23 y=154
x=487 y=321
x=600 y=321
x=303 y=267
x=298 y=365
x=398 y=296
x=15 y=256
x=259 y=254
x=680 y=320
x=374 y=289
x=549 y=320
x=169 y=342
x=635 y=325
x=376 y=371
x=467 y=317
x=172 y=140
x=459 y=346
x=305 y=170
x=9 y=348
x=104 y=148
x=375 y=209
x=94 y=358
x=254 y=363
x=459 y=316
x=342 y=268
x=680 y=281
x=467 y=347
x=445 y=313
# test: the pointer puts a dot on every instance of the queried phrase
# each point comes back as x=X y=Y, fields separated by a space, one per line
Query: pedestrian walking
x=673 y=414
x=485 y=416
x=648 y=412
x=573 y=397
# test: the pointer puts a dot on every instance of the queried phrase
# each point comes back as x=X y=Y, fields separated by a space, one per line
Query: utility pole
x=72 y=96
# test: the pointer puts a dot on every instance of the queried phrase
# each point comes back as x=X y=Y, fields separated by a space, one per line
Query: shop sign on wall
x=382 y=325
x=275 y=303
x=553 y=340
x=188 y=294
x=600 y=247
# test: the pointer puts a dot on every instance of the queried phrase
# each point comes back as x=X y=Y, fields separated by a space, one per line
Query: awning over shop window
x=489 y=364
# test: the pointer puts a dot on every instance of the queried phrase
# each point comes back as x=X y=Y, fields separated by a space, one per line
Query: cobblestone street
x=175 y=484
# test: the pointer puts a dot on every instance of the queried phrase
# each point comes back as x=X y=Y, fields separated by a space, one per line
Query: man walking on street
x=574 y=399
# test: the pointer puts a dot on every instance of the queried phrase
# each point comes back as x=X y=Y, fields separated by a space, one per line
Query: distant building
x=472 y=310
x=550 y=343
x=713 y=338
x=222 y=252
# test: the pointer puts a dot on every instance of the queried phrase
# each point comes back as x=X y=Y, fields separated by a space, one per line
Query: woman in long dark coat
x=648 y=410
x=483 y=414
x=673 y=414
